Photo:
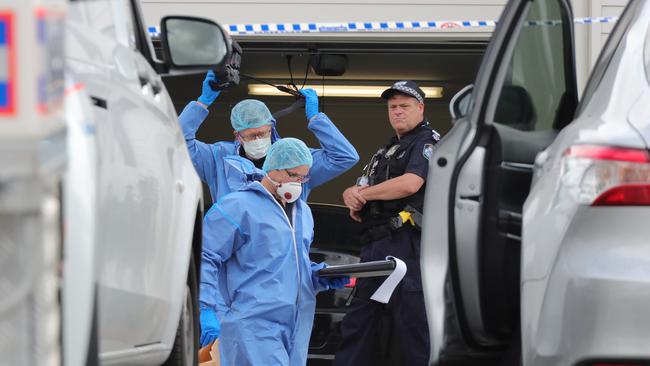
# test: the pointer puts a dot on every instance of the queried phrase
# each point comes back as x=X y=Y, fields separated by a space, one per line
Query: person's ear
x=421 y=107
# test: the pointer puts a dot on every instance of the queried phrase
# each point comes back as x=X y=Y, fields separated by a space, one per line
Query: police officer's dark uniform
x=360 y=343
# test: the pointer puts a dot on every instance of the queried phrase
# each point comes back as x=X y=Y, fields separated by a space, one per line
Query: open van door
x=480 y=175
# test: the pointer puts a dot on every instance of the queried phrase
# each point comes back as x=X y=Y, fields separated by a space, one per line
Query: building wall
x=589 y=38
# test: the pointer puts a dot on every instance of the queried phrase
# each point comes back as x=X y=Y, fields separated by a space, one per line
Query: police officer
x=386 y=200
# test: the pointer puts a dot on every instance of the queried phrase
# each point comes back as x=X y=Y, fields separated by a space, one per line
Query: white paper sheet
x=386 y=289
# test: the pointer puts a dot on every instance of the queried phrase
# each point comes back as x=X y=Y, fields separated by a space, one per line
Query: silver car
x=536 y=204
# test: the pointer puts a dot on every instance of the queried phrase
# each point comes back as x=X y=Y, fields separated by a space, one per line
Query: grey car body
x=515 y=245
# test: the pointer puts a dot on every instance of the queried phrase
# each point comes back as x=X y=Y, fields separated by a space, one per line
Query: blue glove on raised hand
x=207 y=94
x=311 y=102
x=210 y=327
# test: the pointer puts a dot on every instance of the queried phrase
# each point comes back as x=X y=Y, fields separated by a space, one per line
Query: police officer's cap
x=407 y=87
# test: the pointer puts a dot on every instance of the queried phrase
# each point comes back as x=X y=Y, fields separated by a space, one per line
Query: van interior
x=364 y=121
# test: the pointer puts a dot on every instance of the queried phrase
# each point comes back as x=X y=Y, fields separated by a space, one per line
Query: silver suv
x=537 y=206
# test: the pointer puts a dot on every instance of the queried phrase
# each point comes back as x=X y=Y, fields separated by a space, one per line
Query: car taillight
x=352 y=283
x=607 y=176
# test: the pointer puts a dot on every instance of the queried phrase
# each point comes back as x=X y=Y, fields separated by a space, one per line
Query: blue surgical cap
x=250 y=113
x=287 y=153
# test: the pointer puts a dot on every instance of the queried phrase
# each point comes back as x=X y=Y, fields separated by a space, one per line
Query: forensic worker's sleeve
x=418 y=160
x=201 y=153
x=320 y=284
x=336 y=154
x=221 y=239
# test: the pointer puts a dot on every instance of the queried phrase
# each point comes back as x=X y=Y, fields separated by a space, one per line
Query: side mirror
x=194 y=43
x=460 y=103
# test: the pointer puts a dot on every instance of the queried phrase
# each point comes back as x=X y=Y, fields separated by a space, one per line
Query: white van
x=132 y=201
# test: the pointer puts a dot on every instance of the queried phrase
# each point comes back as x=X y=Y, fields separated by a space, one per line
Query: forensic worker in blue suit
x=261 y=235
x=255 y=131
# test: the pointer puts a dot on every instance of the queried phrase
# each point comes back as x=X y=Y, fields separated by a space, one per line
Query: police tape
x=351 y=27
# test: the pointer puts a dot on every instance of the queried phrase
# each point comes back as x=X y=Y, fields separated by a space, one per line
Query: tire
x=186 y=345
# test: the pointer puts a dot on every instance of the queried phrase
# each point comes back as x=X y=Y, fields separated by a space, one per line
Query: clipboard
x=360 y=270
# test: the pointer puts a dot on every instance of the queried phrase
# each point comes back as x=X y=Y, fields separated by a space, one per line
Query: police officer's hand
x=208 y=95
x=355 y=215
x=353 y=199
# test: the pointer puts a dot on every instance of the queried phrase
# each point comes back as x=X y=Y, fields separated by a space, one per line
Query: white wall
x=293 y=11
x=589 y=38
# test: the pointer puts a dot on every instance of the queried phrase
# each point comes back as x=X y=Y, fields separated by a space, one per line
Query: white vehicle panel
x=147 y=193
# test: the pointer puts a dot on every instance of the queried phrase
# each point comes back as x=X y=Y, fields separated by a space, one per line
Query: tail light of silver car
x=599 y=175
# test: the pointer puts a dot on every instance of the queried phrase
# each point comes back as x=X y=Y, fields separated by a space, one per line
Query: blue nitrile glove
x=210 y=327
x=338 y=282
x=327 y=283
x=311 y=102
x=207 y=94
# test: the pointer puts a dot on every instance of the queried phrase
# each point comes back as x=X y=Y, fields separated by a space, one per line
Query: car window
x=535 y=82
x=608 y=52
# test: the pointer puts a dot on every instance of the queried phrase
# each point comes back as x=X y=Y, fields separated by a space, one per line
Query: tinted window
x=536 y=80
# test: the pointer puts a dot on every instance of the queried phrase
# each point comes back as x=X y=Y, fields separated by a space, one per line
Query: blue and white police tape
x=415 y=26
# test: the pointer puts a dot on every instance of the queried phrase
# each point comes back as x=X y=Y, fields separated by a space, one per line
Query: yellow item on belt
x=406 y=216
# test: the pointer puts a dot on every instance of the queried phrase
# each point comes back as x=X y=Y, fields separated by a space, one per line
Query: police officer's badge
x=392 y=151
x=427 y=151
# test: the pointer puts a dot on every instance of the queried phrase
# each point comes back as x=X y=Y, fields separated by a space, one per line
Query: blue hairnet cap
x=287 y=153
x=250 y=113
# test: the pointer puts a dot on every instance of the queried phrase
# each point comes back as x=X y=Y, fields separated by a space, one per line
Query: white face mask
x=288 y=191
x=258 y=148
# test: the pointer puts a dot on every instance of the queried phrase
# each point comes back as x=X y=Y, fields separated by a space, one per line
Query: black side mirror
x=194 y=43
x=460 y=103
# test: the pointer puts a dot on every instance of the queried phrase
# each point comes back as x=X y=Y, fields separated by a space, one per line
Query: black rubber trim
x=92 y=357
x=99 y=102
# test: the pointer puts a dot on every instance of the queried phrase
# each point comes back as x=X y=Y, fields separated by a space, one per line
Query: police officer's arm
x=221 y=238
x=413 y=178
x=405 y=185
x=399 y=187
x=410 y=182
x=336 y=154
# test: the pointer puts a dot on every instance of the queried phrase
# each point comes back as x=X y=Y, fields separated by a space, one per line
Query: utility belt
x=409 y=216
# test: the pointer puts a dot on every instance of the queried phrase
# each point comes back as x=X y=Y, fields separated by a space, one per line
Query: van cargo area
x=364 y=121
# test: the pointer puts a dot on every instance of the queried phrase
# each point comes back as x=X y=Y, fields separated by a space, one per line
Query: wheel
x=186 y=345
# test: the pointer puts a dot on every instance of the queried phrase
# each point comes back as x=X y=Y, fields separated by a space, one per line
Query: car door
x=138 y=144
x=480 y=175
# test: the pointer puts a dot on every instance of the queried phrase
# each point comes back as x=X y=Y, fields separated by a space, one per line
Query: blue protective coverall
x=270 y=282
x=225 y=175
